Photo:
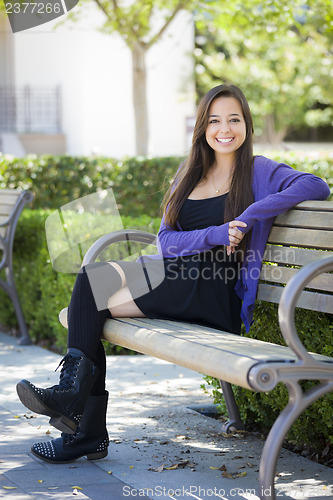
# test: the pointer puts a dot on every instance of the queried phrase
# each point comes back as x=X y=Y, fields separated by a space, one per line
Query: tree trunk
x=270 y=135
x=139 y=80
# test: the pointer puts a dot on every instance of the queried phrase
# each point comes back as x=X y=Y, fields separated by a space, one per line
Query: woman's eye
x=235 y=120
x=213 y=121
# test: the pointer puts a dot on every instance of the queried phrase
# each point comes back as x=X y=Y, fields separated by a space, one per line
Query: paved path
x=150 y=427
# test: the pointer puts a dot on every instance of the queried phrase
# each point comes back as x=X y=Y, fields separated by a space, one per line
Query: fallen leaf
x=76 y=487
x=10 y=487
x=172 y=467
x=157 y=469
x=53 y=488
x=40 y=481
x=109 y=471
x=223 y=467
x=226 y=474
x=325 y=450
x=48 y=432
x=237 y=457
x=250 y=465
x=131 y=466
x=17 y=416
x=241 y=474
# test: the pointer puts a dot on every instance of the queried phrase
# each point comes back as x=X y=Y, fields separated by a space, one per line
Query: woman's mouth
x=226 y=140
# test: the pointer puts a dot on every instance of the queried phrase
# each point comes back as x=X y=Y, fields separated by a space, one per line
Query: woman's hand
x=235 y=235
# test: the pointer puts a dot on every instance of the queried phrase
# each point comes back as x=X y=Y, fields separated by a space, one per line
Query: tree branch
x=103 y=9
x=181 y=5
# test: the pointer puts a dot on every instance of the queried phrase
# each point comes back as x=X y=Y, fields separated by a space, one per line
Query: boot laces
x=68 y=371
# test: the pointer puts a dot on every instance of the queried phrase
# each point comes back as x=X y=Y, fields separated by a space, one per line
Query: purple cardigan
x=276 y=188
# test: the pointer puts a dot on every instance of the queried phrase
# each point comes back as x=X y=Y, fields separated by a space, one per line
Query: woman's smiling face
x=226 y=129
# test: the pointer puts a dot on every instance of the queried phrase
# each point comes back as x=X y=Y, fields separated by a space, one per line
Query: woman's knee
x=121 y=305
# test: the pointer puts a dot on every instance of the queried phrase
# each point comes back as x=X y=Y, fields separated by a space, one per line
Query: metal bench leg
x=10 y=288
x=232 y=408
x=298 y=402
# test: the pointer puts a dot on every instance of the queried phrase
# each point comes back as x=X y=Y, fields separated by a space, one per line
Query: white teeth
x=224 y=141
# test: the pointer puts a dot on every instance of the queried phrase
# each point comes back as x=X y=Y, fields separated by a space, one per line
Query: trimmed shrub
x=138 y=184
x=43 y=292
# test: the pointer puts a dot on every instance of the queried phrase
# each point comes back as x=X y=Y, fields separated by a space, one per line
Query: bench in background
x=12 y=202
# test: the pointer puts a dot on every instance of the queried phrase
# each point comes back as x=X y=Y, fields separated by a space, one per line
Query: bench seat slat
x=313 y=301
x=219 y=354
x=280 y=274
x=293 y=256
x=310 y=238
x=305 y=219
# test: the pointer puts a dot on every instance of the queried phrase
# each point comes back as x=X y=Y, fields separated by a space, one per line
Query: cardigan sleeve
x=171 y=243
x=281 y=188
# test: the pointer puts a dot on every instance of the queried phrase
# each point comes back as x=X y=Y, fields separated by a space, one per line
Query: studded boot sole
x=29 y=394
x=63 y=403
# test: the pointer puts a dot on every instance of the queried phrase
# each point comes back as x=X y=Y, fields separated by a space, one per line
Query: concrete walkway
x=151 y=430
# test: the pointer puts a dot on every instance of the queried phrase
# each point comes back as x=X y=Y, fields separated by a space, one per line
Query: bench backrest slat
x=305 y=219
x=293 y=256
x=308 y=300
x=8 y=199
x=279 y=274
x=311 y=238
x=298 y=237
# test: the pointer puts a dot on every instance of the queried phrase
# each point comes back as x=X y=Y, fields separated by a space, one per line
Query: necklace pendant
x=217 y=191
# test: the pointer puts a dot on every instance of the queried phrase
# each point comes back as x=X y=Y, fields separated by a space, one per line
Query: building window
x=30 y=109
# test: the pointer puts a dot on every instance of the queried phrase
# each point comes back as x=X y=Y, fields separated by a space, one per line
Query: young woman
x=217 y=217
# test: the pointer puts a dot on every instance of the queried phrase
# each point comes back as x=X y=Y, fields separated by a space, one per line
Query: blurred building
x=68 y=89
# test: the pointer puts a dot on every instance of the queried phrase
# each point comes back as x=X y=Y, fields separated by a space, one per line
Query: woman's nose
x=225 y=127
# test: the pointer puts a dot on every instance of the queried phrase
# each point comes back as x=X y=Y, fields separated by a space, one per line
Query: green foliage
x=278 y=53
x=138 y=184
x=42 y=291
x=57 y=180
x=261 y=409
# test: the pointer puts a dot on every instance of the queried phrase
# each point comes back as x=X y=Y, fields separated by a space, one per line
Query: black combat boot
x=65 y=402
x=90 y=439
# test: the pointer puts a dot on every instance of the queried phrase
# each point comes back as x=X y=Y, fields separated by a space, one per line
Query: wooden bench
x=12 y=202
x=300 y=238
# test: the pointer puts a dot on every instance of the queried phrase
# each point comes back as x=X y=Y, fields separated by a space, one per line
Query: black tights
x=87 y=313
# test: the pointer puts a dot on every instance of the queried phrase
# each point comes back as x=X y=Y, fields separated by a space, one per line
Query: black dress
x=197 y=288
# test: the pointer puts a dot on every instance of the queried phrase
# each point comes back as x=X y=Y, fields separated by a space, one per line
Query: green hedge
x=138 y=184
x=43 y=292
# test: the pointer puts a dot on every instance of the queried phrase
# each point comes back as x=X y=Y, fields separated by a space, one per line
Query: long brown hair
x=202 y=157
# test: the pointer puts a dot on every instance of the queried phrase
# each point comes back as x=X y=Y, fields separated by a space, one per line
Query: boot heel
x=98 y=455
x=63 y=424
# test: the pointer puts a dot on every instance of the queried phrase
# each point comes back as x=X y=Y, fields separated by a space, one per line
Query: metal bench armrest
x=114 y=237
x=288 y=303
